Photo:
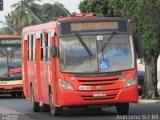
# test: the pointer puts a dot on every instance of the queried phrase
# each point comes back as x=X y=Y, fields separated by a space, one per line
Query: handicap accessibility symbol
x=104 y=64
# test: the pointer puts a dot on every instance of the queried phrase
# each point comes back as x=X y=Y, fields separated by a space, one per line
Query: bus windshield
x=10 y=61
x=117 y=56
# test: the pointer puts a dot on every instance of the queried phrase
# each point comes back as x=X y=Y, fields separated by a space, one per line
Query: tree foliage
x=47 y=11
x=5 y=31
x=100 y=7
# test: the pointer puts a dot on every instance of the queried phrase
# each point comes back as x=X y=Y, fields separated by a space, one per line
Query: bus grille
x=98 y=82
x=107 y=97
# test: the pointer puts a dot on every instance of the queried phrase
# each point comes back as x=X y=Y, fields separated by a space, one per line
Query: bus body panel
x=111 y=86
x=45 y=74
x=125 y=95
x=26 y=83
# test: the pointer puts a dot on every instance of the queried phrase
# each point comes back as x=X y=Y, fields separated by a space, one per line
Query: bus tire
x=122 y=108
x=55 y=110
x=45 y=108
x=20 y=94
x=35 y=105
x=13 y=95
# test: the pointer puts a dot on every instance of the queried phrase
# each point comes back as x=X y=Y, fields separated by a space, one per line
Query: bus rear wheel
x=20 y=95
x=13 y=95
x=35 y=105
x=122 y=108
x=55 y=110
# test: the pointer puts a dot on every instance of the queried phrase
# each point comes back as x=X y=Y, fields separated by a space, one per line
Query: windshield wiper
x=83 y=44
x=108 y=41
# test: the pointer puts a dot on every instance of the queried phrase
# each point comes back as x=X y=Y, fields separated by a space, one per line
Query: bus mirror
x=53 y=51
x=139 y=48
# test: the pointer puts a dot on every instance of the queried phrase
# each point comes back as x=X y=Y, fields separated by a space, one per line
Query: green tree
x=145 y=17
x=5 y=31
x=100 y=7
x=10 y=23
x=47 y=11
x=21 y=15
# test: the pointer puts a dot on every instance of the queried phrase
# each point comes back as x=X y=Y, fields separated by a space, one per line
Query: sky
x=71 y=5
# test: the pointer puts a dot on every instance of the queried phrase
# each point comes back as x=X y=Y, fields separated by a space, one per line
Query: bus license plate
x=99 y=94
x=85 y=87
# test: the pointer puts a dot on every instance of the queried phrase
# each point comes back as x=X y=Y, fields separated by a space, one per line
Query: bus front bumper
x=11 y=88
x=79 y=98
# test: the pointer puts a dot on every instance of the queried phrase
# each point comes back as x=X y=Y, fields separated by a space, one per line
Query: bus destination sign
x=94 y=26
x=8 y=41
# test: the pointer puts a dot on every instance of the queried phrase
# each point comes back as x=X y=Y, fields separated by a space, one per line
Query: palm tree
x=9 y=23
x=21 y=18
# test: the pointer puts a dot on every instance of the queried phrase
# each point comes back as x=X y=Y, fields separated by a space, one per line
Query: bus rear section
x=80 y=61
x=10 y=65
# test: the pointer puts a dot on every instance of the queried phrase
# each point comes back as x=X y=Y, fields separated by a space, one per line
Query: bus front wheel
x=55 y=110
x=122 y=108
x=35 y=105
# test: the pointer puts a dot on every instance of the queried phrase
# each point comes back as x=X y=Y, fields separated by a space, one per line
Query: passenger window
x=31 y=47
x=45 y=47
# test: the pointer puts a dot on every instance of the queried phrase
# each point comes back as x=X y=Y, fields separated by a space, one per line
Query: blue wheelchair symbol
x=104 y=64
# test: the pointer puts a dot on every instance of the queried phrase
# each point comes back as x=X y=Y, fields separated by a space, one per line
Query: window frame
x=32 y=47
x=45 y=47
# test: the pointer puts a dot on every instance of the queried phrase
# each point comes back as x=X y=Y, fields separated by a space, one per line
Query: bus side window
x=28 y=48
x=42 y=48
x=48 y=40
x=34 y=48
x=45 y=47
x=31 y=47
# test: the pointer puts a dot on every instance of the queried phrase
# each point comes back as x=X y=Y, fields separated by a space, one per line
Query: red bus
x=10 y=65
x=84 y=61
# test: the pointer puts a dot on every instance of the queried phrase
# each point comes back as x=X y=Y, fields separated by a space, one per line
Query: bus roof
x=38 y=29
x=9 y=36
x=51 y=26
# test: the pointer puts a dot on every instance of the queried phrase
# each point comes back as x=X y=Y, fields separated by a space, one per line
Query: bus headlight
x=65 y=85
x=131 y=82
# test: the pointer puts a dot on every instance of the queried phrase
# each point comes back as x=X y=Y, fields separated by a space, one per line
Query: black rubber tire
x=122 y=108
x=13 y=95
x=46 y=108
x=54 y=110
x=23 y=96
x=35 y=105
x=20 y=95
